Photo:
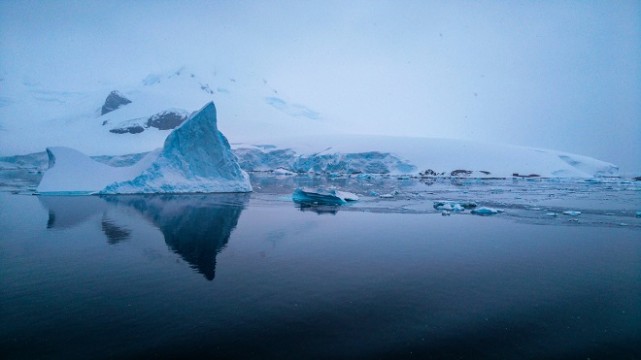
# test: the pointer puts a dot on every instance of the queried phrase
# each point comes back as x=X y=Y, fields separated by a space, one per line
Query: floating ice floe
x=485 y=211
x=638 y=214
x=455 y=206
x=322 y=197
x=572 y=213
x=551 y=214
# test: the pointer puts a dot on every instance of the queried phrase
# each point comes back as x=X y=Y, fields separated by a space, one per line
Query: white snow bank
x=72 y=172
x=196 y=157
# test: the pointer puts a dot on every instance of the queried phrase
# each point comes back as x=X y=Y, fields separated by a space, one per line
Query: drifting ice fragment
x=551 y=214
x=485 y=211
x=456 y=206
x=572 y=213
x=638 y=214
x=322 y=197
x=346 y=195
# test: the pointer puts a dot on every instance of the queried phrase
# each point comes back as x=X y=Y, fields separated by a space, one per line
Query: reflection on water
x=70 y=211
x=113 y=231
x=319 y=209
x=196 y=227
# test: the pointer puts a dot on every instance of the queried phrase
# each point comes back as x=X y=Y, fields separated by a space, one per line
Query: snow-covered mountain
x=268 y=129
x=138 y=117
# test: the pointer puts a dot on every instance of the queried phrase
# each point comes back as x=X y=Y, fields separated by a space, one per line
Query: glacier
x=196 y=158
x=423 y=157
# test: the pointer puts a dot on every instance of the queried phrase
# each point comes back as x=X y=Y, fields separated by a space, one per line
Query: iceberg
x=456 y=206
x=322 y=197
x=195 y=158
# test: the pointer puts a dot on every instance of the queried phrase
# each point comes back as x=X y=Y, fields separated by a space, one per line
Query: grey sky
x=563 y=75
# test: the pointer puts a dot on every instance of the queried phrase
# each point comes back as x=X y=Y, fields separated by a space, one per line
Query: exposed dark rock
x=136 y=129
x=114 y=101
x=206 y=88
x=526 y=176
x=461 y=173
x=429 y=172
x=484 y=172
x=166 y=120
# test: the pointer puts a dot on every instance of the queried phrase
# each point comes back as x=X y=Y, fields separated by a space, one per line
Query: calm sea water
x=254 y=276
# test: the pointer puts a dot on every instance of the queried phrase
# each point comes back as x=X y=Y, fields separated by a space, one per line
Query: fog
x=561 y=75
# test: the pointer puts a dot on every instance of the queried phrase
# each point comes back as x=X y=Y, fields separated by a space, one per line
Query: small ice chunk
x=446 y=213
x=638 y=214
x=572 y=213
x=551 y=214
x=386 y=196
x=456 y=206
x=484 y=211
x=346 y=195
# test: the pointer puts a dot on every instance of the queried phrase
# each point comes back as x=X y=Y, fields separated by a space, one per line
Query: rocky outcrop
x=136 y=129
x=166 y=120
x=114 y=101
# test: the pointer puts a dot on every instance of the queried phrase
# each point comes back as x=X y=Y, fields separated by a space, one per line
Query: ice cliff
x=195 y=158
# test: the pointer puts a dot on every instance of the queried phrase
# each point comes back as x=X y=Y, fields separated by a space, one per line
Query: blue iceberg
x=485 y=211
x=322 y=197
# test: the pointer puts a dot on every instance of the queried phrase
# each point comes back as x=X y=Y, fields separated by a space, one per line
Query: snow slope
x=196 y=157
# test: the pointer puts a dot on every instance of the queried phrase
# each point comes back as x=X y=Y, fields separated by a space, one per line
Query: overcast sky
x=558 y=74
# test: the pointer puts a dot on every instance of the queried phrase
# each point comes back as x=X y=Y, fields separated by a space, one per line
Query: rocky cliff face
x=114 y=101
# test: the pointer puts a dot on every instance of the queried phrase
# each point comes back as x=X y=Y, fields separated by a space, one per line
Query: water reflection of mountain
x=196 y=227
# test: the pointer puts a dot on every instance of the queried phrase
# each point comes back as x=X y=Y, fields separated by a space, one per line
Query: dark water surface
x=247 y=276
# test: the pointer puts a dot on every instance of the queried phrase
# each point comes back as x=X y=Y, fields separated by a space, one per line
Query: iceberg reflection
x=196 y=227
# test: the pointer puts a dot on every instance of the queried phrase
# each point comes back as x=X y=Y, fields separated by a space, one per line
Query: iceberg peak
x=196 y=158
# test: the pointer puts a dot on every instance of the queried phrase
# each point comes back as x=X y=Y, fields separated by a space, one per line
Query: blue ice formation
x=456 y=206
x=370 y=162
x=485 y=211
x=196 y=158
x=572 y=213
x=322 y=197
